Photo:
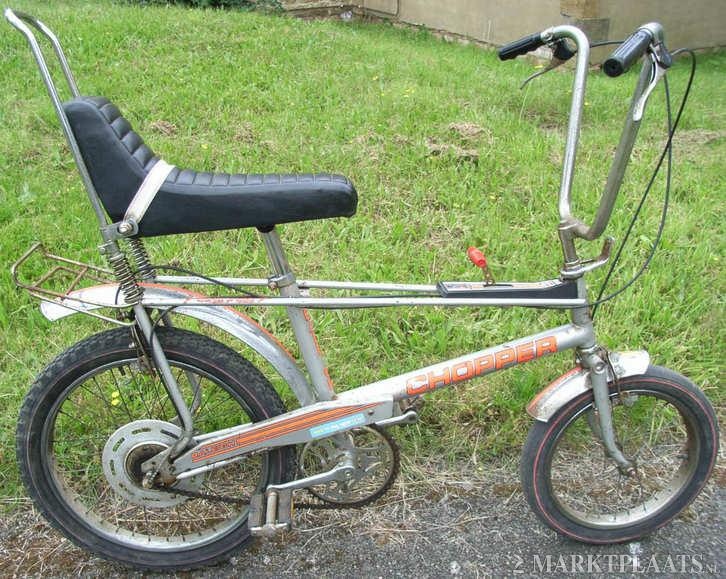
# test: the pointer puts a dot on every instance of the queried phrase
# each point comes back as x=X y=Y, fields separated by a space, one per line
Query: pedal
x=270 y=513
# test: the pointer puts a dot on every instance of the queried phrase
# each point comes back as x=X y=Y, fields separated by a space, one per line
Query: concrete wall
x=694 y=23
x=691 y=23
x=491 y=21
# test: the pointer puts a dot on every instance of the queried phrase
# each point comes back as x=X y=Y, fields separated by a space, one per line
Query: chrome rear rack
x=52 y=278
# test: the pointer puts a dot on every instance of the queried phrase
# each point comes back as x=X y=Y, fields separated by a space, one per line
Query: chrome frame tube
x=484 y=362
x=301 y=283
x=302 y=325
x=19 y=20
x=375 y=402
x=335 y=303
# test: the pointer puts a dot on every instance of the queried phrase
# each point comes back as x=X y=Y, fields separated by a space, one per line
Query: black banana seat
x=191 y=201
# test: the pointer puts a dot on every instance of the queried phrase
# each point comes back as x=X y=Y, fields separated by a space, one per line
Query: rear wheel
x=96 y=414
x=663 y=423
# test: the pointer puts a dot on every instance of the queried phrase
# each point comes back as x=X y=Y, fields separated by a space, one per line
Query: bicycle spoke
x=78 y=455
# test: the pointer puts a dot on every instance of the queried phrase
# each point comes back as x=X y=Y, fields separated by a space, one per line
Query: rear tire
x=661 y=420
x=79 y=403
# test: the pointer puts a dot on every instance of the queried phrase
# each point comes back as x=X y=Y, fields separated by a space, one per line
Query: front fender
x=543 y=406
x=227 y=319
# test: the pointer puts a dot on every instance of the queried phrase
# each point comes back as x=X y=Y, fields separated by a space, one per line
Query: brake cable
x=667 y=152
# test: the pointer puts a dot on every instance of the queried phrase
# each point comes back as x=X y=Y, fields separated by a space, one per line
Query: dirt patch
x=470 y=131
x=459 y=153
x=29 y=547
x=370 y=145
x=695 y=144
x=163 y=127
x=697 y=137
x=245 y=133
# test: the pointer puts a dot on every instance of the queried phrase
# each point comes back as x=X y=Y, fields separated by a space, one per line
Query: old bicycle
x=164 y=449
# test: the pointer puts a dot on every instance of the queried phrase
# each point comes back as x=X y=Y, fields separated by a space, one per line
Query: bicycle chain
x=246 y=501
x=322 y=504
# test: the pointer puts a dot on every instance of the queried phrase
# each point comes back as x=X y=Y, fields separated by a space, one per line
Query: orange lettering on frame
x=439 y=380
x=462 y=371
x=525 y=353
x=484 y=364
x=505 y=357
x=417 y=385
x=546 y=346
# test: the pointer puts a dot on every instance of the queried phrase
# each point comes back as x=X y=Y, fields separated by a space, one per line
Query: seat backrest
x=115 y=155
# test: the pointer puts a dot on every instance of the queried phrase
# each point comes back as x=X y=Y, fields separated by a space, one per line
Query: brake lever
x=661 y=61
x=560 y=55
x=554 y=63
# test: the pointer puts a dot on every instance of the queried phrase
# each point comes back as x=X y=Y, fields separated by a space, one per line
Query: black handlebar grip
x=561 y=51
x=627 y=53
x=521 y=46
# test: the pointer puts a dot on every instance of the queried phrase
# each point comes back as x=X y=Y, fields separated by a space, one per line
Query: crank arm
x=408 y=417
x=342 y=472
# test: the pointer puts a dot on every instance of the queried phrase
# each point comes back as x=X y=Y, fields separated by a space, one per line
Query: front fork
x=601 y=423
x=593 y=358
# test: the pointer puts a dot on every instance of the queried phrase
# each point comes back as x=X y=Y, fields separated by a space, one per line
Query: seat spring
x=126 y=279
x=141 y=258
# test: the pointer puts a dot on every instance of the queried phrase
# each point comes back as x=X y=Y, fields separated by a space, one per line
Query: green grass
x=260 y=93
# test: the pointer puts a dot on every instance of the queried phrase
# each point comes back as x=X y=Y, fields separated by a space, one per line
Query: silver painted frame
x=373 y=403
x=324 y=413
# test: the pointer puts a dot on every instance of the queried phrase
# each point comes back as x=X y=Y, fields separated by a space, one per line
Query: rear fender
x=227 y=319
x=558 y=393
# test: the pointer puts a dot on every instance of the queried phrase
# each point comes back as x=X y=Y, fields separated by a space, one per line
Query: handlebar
x=522 y=46
x=627 y=53
x=560 y=50
x=558 y=37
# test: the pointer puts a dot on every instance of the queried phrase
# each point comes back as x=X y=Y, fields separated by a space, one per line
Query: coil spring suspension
x=125 y=277
x=141 y=258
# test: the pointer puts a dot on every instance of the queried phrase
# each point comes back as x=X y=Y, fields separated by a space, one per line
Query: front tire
x=662 y=422
x=96 y=413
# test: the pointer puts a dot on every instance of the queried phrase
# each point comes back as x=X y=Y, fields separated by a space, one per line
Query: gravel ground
x=472 y=523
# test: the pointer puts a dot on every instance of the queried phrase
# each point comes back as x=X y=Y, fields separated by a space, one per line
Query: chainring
x=376 y=461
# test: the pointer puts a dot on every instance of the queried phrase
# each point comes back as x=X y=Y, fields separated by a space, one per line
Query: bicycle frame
x=325 y=413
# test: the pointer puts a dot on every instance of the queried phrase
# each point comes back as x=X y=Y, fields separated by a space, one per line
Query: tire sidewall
x=63 y=374
x=543 y=437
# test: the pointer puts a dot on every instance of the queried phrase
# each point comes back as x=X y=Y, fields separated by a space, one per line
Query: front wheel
x=663 y=423
x=97 y=413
